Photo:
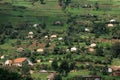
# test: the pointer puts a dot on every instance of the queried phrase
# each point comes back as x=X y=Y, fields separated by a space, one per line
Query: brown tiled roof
x=19 y=60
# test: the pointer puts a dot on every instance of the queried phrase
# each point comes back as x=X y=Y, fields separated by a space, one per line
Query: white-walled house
x=60 y=38
x=73 y=49
x=93 y=45
x=87 y=30
x=40 y=50
x=110 y=25
x=8 y=62
x=30 y=34
x=112 y=20
x=35 y=25
x=53 y=36
x=2 y=57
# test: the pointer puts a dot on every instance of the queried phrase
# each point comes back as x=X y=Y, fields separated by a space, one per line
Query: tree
x=33 y=56
x=2 y=39
x=43 y=26
x=25 y=69
x=55 y=65
x=60 y=2
x=100 y=28
x=42 y=1
x=116 y=32
x=58 y=77
x=56 y=50
x=25 y=53
x=67 y=2
x=18 y=42
x=64 y=68
x=72 y=65
x=105 y=70
x=96 y=6
x=9 y=75
x=116 y=49
x=99 y=51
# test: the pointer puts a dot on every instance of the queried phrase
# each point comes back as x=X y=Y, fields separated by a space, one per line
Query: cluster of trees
x=64 y=2
x=64 y=67
x=6 y=31
x=7 y=74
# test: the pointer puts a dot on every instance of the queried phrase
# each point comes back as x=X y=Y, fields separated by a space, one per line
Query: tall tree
x=55 y=65
x=25 y=69
x=42 y=1
x=60 y=2
x=116 y=49
x=72 y=65
x=96 y=6
x=64 y=68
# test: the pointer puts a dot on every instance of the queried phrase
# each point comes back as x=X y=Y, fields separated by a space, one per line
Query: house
x=51 y=76
x=86 y=6
x=93 y=45
x=58 y=23
x=112 y=20
x=51 y=60
x=116 y=70
x=91 y=49
x=46 y=37
x=53 y=36
x=110 y=25
x=39 y=60
x=43 y=71
x=73 y=49
x=19 y=61
x=20 y=49
x=67 y=50
x=8 y=62
x=110 y=70
x=74 y=70
x=30 y=34
x=40 y=50
x=60 y=38
x=87 y=30
x=35 y=25
x=31 y=71
x=2 y=57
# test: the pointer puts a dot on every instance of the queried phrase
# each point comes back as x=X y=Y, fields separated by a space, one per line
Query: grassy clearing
x=31 y=14
x=116 y=62
x=8 y=43
x=38 y=75
x=78 y=73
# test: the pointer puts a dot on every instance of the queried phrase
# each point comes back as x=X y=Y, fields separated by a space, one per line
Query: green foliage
x=8 y=75
x=99 y=51
x=105 y=70
x=25 y=69
x=100 y=28
x=25 y=53
x=116 y=49
x=42 y=1
x=55 y=65
x=72 y=65
x=64 y=68
x=58 y=77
